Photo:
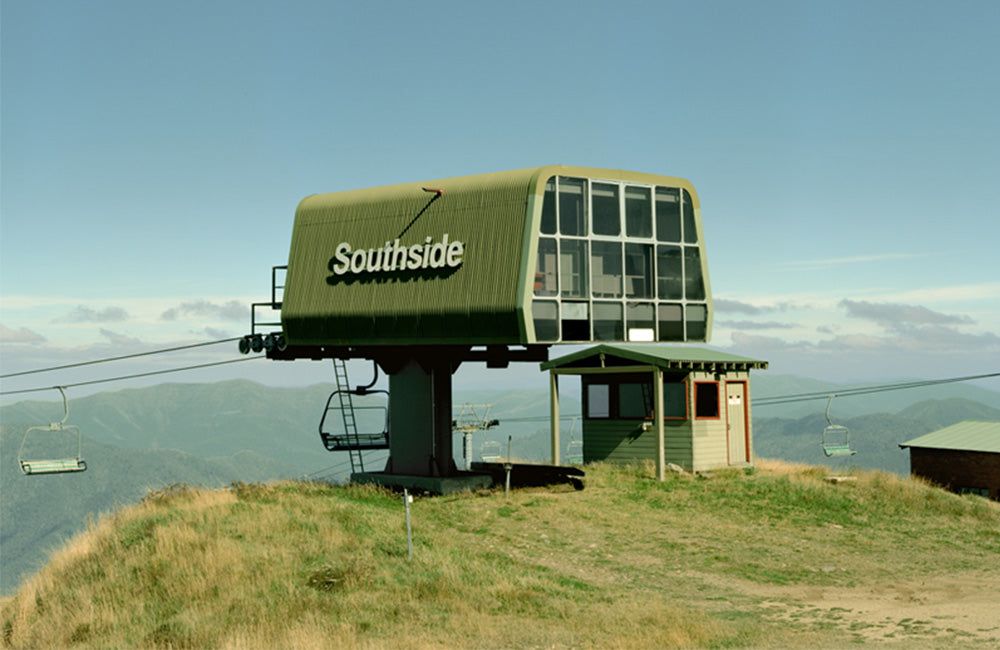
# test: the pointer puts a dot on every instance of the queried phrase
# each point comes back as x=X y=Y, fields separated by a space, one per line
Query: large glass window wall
x=618 y=261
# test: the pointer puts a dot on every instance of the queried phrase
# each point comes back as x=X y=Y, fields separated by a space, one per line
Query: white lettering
x=358 y=261
x=455 y=250
x=416 y=253
x=343 y=262
x=374 y=264
x=394 y=257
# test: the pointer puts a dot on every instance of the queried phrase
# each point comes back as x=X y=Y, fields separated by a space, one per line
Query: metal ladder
x=347 y=411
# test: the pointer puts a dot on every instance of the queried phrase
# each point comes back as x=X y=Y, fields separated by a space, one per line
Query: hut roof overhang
x=667 y=357
x=970 y=435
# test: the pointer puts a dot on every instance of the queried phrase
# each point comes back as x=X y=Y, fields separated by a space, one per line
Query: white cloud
x=856 y=259
x=21 y=335
x=755 y=325
x=896 y=315
x=231 y=310
x=736 y=306
x=117 y=339
x=84 y=314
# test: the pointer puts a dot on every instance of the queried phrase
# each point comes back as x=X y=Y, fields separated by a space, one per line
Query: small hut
x=964 y=458
x=670 y=404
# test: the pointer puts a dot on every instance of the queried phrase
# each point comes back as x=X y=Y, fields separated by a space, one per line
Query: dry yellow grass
x=770 y=558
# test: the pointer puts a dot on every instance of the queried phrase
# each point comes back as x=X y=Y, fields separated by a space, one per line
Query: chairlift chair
x=31 y=466
x=836 y=438
x=574 y=451
x=491 y=451
x=349 y=438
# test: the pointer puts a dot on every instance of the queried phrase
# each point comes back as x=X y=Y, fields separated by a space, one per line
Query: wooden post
x=554 y=414
x=661 y=465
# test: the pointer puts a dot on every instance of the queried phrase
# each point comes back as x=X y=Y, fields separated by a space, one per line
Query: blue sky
x=845 y=154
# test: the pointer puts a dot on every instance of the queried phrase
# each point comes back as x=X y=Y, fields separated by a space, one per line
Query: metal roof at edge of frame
x=969 y=435
x=665 y=356
x=527 y=174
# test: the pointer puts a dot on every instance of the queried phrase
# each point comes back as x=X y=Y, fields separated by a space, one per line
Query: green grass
x=627 y=563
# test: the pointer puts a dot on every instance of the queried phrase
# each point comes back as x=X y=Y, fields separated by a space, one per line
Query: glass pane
x=608 y=322
x=549 y=208
x=607 y=214
x=573 y=274
x=697 y=322
x=575 y=321
x=639 y=270
x=674 y=399
x=668 y=214
x=669 y=272
x=598 y=401
x=669 y=319
x=640 y=320
x=635 y=400
x=606 y=269
x=638 y=212
x=690 y=232
x=546 y=271
x=545 y=314
x=694 y=288
x=706 y=399
x=572 y=215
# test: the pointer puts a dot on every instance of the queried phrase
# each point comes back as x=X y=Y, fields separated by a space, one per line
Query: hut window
x=670 y=322
x=675 y=400
x=545 y=271
x=668 y=214
x=606 y=209
x=606 y=269
x=549 y=208
x=697 y=321
x=690 y=232
x=669 y=271
x=638 y=212
x=573 y=268
x=694 y=288
x=604 y=241
x=576 y=321
x=598 y=401
x=608 y=321
x=638 y=271
x=545 y=314
x=641 y=321
x=572 y=218
x=706 y=399
x=634 y=401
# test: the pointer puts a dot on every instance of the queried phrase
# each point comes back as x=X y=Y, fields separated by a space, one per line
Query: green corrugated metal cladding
x=372 y=266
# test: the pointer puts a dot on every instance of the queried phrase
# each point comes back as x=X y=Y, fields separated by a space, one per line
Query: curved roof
x=496 y=219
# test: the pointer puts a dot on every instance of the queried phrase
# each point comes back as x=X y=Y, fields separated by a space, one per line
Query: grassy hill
x=771 y=558
x=38 y=513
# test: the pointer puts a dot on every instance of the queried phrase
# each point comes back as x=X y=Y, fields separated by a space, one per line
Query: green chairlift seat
x=31 y=466
x=836 y=438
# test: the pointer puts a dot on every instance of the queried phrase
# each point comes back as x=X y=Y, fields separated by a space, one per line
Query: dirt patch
x=957 y=608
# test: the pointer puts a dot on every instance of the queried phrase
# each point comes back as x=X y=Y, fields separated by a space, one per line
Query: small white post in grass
x=507 y=466
x=407 y=499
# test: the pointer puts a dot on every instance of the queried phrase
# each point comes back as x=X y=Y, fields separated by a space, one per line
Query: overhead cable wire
x=121 y=358
x=135 y=376
x=864 y=390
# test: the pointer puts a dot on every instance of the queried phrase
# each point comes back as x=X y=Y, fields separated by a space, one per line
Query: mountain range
x=135 y=440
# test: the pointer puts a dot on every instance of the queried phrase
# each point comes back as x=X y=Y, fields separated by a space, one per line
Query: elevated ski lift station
x=494 y=268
